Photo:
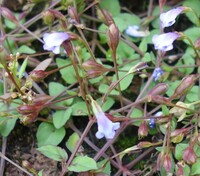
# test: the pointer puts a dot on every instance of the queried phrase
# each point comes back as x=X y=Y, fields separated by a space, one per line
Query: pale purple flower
x=52 y=41
x=105 y=126
x=164 y=42
x=168 y=18
x=134 y=31
x=157 y=73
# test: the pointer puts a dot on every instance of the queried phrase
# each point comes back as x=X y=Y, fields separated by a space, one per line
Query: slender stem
x=19 y=167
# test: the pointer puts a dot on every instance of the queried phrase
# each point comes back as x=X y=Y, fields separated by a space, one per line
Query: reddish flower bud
x=189 y=155
x=72 y=12
x=185 y=85
x=159 y=89
x=57 y=14
x=143 y=130
x=180 y=171
x=159 y=99
x=167 y=163
x=94 y=69
x=48 y=17
x=144 y=144
x=113 y=37
x=197 y=44
x=38 y=75
x=105 y=17
x=8 y=14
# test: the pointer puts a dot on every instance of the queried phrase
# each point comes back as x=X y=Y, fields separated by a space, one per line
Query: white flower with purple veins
x=105 y=126
x=134 y=31
x=164 y=42
x=168 y=18
x=52 y=41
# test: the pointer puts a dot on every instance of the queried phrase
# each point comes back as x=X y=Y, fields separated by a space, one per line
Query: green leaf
x=192 y=33
x=22 y=68
x=137 y=113
x=79 y=109
x=54 y=152
x=106 y=168
x=188 y=60
x=68 y=73
x=179 y=149
x=195 y=168
x=6 y=125
x=173 y=125
x=107 y=104
x=123 y=20
x=72 y=141
x=112 y=6
x=47 y=134
x=60 y=117
x=195 y=6
x=143 y=45
x=103 y=88
x=82 y=164
x=193 y=94
x=40 y=173
x=172 y=86
x=57 y=88
x=25 y=50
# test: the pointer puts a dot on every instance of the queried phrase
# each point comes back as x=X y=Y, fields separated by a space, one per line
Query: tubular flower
x=134 y=31
x=168 y=18
x=105 y=126
x=164 y=42
x=52 y=41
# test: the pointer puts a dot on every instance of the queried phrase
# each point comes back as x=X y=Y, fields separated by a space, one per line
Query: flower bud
x=159 y=89
x=57 y=14
x=48 y=17
x=72 y=12
x=167 y=163
x=143 y=130
x=38 y=75
x=113 y=37
x=6 y=13
x=189 y=155
x=159 y=99
x=180 y=171
x=178 y=134
x=94 y=69
x=105 y=17
x=144 y=144
x=28 y=109
x=197 y=44
x=185 y=85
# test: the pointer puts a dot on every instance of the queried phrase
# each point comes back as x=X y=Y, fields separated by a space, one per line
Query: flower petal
x=134 y=31
x=168 y=18
x=164 y=42
x=52 y=41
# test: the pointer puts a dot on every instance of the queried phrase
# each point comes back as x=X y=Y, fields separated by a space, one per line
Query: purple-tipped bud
x=94 y=69
x=57 y=14
x=113 y=37
x=48 y=17
x=167 y=163
x=38 y=75
x=72 y=12
x=180 y=171
x=159 y=89
x=144 y=144
x=189 y=155
x=143 y=130
x=185 y=85
x=6 y=13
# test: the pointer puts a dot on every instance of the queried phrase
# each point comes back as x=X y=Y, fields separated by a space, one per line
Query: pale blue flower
x=164 y=42
x=157 y=73
x=52 y=41
x=168 y=18
x=134 y=31
x=105 y=126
